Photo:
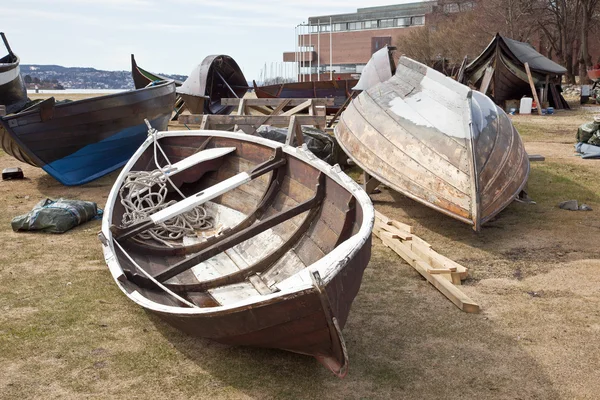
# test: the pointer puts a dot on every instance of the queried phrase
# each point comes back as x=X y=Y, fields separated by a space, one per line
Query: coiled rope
x=144 y=193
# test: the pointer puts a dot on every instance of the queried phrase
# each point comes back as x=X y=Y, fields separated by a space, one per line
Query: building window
x=403 y=21
x=339 y=27
x=386 y=23
x=353 y=26
x=314 y=28
x=418 y=20
x=325 y=28
x=370 y=24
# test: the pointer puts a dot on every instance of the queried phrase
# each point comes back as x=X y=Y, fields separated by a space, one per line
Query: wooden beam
x=256 y=120
x=298 y=108
x=487 y=79
x=326 y=101
x=536 y=157
x=440 y=271
x=369 y=183
x=533 y=91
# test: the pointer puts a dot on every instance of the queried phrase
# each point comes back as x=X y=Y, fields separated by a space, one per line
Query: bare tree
x=589 y=10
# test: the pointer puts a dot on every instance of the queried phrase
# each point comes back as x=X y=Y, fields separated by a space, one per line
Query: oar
x=10 y=52
x=199 y=198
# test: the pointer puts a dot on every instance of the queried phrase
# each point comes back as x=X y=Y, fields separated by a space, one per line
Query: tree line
x=559 y=29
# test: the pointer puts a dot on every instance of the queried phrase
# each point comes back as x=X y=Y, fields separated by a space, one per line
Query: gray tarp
x=56 y=216
x=587 y=150
x=321 y=144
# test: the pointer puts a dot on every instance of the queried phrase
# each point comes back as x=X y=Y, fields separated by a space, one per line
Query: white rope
x=144 y=193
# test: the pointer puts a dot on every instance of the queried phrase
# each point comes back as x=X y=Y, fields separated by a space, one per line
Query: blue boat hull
x=98 y=159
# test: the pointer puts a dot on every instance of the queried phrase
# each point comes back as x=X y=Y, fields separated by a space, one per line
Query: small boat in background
x=436 y=141
x=13 y=93
x=142 y=78
x=282 y=261
x=77 y=142
x=217 y=77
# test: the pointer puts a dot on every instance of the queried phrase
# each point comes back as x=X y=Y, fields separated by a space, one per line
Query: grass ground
x=66 y=331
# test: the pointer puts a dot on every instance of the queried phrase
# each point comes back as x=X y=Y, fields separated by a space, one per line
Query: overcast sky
x=170 y=36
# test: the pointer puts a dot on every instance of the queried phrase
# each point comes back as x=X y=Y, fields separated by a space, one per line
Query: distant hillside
x=80 y=77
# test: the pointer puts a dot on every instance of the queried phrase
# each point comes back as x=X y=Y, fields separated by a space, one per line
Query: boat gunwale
x=328 y=266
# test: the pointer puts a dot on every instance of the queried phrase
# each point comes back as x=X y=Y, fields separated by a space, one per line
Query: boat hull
x=308 y=291
x=13 y=93
x=437 y=142
x=81 y=141
x=340 y=91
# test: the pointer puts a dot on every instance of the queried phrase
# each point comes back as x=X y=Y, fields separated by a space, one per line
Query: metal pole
x=296 y=53
x=318 y=49
x=310 y=47
x=227 y=84
x=330 y=52
x=302 y=53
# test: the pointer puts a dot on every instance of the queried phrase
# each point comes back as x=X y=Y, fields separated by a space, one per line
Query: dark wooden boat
x=509 y=80
x=339 y=90
x=142 y=78
x=79 y=141
x=295 y=239
x=217 y=77
x=13 y=93
x=437 y=142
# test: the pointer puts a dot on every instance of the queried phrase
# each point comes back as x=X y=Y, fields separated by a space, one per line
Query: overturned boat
x=217 y=77
x=436 y=141
x=505 y=60
x=282 y=258
x=13 y=94
x=77 y=142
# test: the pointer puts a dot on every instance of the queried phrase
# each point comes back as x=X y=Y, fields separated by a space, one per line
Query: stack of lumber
x=440 y=271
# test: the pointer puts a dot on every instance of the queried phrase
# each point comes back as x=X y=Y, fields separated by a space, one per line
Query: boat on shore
x=13 y=93
x=142 y=78
x=436 y=141
x=217 y=77
x=281 y=262
x=339 y=90
x=77 y=142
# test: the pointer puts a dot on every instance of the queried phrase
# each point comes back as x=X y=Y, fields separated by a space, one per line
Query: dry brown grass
x=66 y=331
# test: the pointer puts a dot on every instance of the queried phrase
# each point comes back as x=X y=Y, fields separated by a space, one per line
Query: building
x=339 y=46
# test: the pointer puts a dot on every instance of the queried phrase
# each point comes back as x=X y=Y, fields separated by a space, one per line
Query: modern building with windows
x=339 y=46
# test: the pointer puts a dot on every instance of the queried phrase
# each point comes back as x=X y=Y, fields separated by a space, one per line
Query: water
x=75 y=91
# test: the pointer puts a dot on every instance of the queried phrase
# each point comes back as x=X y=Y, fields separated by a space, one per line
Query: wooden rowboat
x=13 y=94
x=79 y=141
x=340 y=90
x=295 y=239
x=437 y=142
x=142 y=78
x=217 y=77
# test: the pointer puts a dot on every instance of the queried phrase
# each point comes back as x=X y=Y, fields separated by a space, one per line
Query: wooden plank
x=259 y=285
x=257 y=120
x=533 y=91
x=325 y=101
x=369 y=183
x=487 y=79
x=454 y=294
x=387 y=221
x=298 y=108
x=536 y=157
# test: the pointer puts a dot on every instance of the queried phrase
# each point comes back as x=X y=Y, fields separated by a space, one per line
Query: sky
x=169 y=36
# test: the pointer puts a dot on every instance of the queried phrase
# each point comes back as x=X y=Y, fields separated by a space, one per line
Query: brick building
x=339 y=46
